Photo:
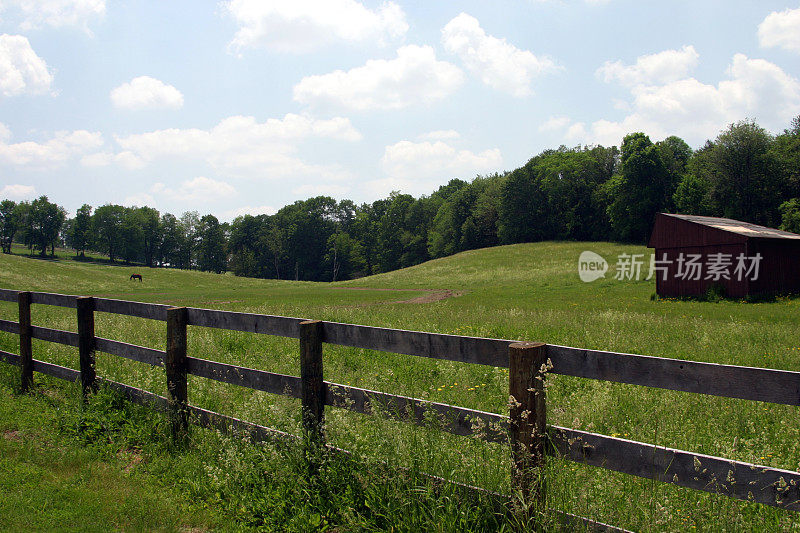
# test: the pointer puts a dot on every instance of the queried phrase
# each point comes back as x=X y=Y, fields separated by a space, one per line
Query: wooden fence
x=524 y=429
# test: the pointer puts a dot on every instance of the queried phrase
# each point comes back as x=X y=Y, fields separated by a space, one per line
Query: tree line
x=585 y=193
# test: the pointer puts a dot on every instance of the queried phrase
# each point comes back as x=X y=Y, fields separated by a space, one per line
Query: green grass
x=527 y=292
x=110 y=465
x=52 y=482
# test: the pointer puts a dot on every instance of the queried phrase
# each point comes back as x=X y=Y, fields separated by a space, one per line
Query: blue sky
x=244 y=106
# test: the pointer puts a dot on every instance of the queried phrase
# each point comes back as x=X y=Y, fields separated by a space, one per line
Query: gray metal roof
x=737 y=226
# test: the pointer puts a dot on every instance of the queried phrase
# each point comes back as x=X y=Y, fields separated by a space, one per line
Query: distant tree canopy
x=581 y=193
x=36 y=224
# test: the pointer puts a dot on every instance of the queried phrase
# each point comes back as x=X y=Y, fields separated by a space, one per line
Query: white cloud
x=417 y=167
x=420 y=167
x=440 y=135
x=381 y=188
x=662 y=67
x=21 y=70
x=18 y=192
x=413 y=77
x=781 y=29
x=304 y=25
x=310 y=190
x=564 y=2
x=125 y=159
x=555 y=123
x=48 y=154
x=576 y=131
x=239 y=145
x=196 y=190
x=247 y=210
x=571 y=131
x=55 y=13
x=497 y=63
x=145 y=92
x=139 y=200
x=696 y=111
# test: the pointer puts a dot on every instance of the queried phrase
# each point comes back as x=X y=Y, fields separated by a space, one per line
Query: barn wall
x=674 y=287
x=780 y=266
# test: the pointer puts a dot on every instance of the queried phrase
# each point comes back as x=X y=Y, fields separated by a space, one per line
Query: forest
x=583 y=193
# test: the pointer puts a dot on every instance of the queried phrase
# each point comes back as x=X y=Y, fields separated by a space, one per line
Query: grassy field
x=527 y=292
x=51 y=482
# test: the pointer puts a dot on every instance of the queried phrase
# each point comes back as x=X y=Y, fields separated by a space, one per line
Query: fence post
x=86 y=344
x=312 y=392
x=25 y=341
x=528 y=422
x=175 y=366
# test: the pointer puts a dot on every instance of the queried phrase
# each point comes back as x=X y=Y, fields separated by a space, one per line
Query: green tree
x=522 y=212
x=344 y=214
x=790 y=215
x=786 y=151
x=641 y=189
x=107 y=225
x=81 y=234
x=344 y=256
x=151 y=233
x=570 y=179
x=274 y=239
x=692 y=196
x=479 y=230
x=242 y=246
x=446 y=191
x=308 y=225
x=676 y=155
x=365 y=229
x=467 y=219
x=131 y=246
x=172 y=249
x=445 y=234
x=10 y=214
x=211 y=255
x=391 y=228
x=416 y=228
x=745 y=177
x=46 y=220
x=25 y=223
x=190 y=239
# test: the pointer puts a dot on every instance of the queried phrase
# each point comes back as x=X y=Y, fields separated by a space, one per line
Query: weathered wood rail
x=761 y=484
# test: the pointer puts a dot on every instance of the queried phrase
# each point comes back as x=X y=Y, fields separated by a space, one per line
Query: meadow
x=528 y=292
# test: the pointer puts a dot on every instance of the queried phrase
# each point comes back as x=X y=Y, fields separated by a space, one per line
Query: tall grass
x=527 y=292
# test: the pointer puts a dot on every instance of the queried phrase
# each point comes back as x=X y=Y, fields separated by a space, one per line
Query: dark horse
x=136 y=276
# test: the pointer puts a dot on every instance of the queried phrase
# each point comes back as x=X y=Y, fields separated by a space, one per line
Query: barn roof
x=737 y=226
x=675 y=231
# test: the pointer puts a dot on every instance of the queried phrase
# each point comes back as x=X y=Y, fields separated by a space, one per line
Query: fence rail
x=736 y=479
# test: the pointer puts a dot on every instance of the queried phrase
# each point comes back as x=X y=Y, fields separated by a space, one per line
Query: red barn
x=692 y=253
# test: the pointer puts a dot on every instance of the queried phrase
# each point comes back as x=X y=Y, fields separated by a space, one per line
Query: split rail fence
x=524 y=429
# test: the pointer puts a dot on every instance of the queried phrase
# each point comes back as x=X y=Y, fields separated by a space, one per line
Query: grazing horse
x=136 y=276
